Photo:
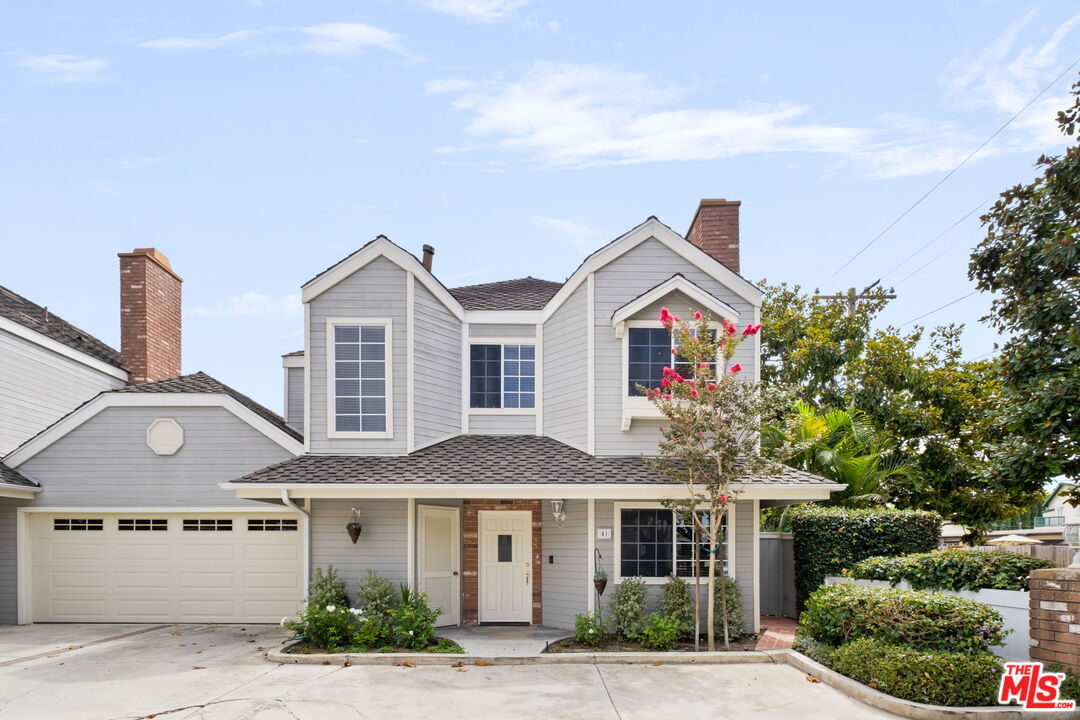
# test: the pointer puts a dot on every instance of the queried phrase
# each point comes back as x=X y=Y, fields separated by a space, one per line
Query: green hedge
x=827 y=540
x=952 y=570
x=922 y=620
x=952 y=679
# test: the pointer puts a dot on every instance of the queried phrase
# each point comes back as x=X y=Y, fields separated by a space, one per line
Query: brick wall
x=149 y=316
x=1055 y=616
x=470 y=559
x=715 y=229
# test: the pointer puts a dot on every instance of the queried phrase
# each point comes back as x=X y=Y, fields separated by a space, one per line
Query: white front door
x=505 y=565
x=439 y=568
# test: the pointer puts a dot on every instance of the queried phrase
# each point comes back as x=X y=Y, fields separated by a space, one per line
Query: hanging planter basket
x=600 y=584
x=353 y=527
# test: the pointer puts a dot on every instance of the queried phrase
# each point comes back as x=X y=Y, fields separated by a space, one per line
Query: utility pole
x=852 y=297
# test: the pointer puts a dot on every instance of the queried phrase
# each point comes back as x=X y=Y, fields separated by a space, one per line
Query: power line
x=940 y=235
x=953 y=171
x=940 y=308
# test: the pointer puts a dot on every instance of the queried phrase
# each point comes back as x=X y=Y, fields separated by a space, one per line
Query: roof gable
x=675 y=283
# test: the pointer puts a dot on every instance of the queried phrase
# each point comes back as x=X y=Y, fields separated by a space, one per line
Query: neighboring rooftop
x=9 y=476
x=200 y=382
x=294 y=353
x=527 y=293
x=469 y=459
x=30 y=315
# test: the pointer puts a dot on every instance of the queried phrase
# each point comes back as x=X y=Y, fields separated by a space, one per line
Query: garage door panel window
x=143 y=524
x=207 y=525
x=78 y=524
x=271 y=525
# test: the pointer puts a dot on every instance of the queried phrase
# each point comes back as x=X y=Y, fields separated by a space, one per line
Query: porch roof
x=486 y=460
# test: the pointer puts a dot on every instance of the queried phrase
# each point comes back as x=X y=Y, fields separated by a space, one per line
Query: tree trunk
x=711 y=629
x=697 y=587
x=723 y=586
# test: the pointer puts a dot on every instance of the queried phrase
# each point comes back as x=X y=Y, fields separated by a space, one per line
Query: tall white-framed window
x=502 y=377
x=651 y=542
x=359 y=359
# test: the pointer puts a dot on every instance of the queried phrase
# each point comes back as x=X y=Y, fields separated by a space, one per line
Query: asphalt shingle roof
x=470 y=459
x=527 y=293
x=10 y=476
x=30 y=315
x=200 y=382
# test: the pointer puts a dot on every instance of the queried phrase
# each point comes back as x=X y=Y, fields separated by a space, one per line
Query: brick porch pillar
x=1055 y=616
x=470 y=557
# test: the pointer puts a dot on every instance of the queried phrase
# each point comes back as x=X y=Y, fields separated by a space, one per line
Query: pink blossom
x=704 y=366
x=665 y=318
x=751 y=329
x=736 y=368
x=697 y=316
x=723 y=498
x=666 y=382
x=712 y=387
x=729 y=327
x=693 y=393
x=673 y=351
x=667 y=397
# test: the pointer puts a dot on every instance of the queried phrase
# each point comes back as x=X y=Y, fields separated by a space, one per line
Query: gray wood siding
x=38 y=387
x=502 y=424
x=437 y=364
x=105 y=462
x=745 y=519
x=9 y=599
x=564 y=372
x=377 y=290
x=566 y=580
x=294 y=386
x=618 y=282
x=382 y=545
x=501 y=331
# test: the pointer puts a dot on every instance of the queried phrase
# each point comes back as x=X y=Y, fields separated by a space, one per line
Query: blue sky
x=256 y=143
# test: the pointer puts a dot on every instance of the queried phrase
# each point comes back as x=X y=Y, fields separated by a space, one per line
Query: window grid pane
x=485 y=376
x=360 y=360
x=655 y=544
x=519 y=376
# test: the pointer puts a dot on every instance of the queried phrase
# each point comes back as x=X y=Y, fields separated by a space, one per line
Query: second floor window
x=360 y=378
x=502 y=376
x=650 y=352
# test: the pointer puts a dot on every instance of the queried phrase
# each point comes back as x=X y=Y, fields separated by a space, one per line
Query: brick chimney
x=715 y=229
x=149 y=316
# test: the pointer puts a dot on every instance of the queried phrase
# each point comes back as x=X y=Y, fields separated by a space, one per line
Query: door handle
x=455 y=573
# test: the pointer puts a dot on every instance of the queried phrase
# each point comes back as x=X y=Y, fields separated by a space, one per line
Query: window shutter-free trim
x=359 y=359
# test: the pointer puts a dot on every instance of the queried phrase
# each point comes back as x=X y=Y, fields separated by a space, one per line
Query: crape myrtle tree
x=710 y=443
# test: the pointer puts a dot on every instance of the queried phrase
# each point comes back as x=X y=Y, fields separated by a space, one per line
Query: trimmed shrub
x=627 y=607
x=1070 y=688
x=661 y=632
x=325 y=626
x=952 y=570
x=923 y=620
x=952 y=679
x=588 y=630
x=811 y=648
x=829 y=539
x=327 y=588
x=370 y=634
x=676 y=601
x=376 y=597
x=736 y=620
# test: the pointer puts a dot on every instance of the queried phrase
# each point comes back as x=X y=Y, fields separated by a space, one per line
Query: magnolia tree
x=710 y=442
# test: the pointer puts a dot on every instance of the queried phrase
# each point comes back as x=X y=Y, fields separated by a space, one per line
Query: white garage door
x=165 y=567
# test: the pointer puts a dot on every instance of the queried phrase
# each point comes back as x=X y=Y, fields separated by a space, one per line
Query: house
x=1056 y=511
x=488 y=440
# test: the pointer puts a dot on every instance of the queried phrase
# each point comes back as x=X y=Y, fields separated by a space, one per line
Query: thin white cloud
x=251 y=304
x=564 y=226
x=200 y=43
x=568 y=115
x=485 y=11
x=64 y=68
x=349 y=39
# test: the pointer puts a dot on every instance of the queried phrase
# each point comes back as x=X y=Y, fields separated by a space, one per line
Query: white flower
x=410 y=632
x=356 y=611
x=283 y=621
x=331 y=608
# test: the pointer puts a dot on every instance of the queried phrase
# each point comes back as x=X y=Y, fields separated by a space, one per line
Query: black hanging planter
x=600 y=584
x=353 y=527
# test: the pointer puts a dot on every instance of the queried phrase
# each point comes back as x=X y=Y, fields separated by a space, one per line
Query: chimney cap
x=153 y=254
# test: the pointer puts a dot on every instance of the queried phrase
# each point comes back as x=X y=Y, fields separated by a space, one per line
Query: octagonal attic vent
x=165 y=436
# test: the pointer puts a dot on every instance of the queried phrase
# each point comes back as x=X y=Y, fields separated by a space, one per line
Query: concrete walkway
x=503 y=640
x=200 y=672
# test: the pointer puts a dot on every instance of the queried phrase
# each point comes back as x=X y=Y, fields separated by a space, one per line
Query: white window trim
x=617 y=539
x=637 y=407
x=331 y=377
x=502 y=342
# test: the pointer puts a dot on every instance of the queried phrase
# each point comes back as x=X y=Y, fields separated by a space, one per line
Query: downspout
x=306 y=551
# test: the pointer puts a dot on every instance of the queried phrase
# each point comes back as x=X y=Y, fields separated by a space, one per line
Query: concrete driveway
x=216 y=672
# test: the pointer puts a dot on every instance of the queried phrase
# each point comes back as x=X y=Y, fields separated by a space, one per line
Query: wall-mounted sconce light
x=558 y=513
x=353 y=526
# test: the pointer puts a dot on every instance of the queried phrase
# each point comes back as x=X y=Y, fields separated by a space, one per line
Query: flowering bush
x=588 y=630
x=327 y=626
x=369 y=633
x=413 y=620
